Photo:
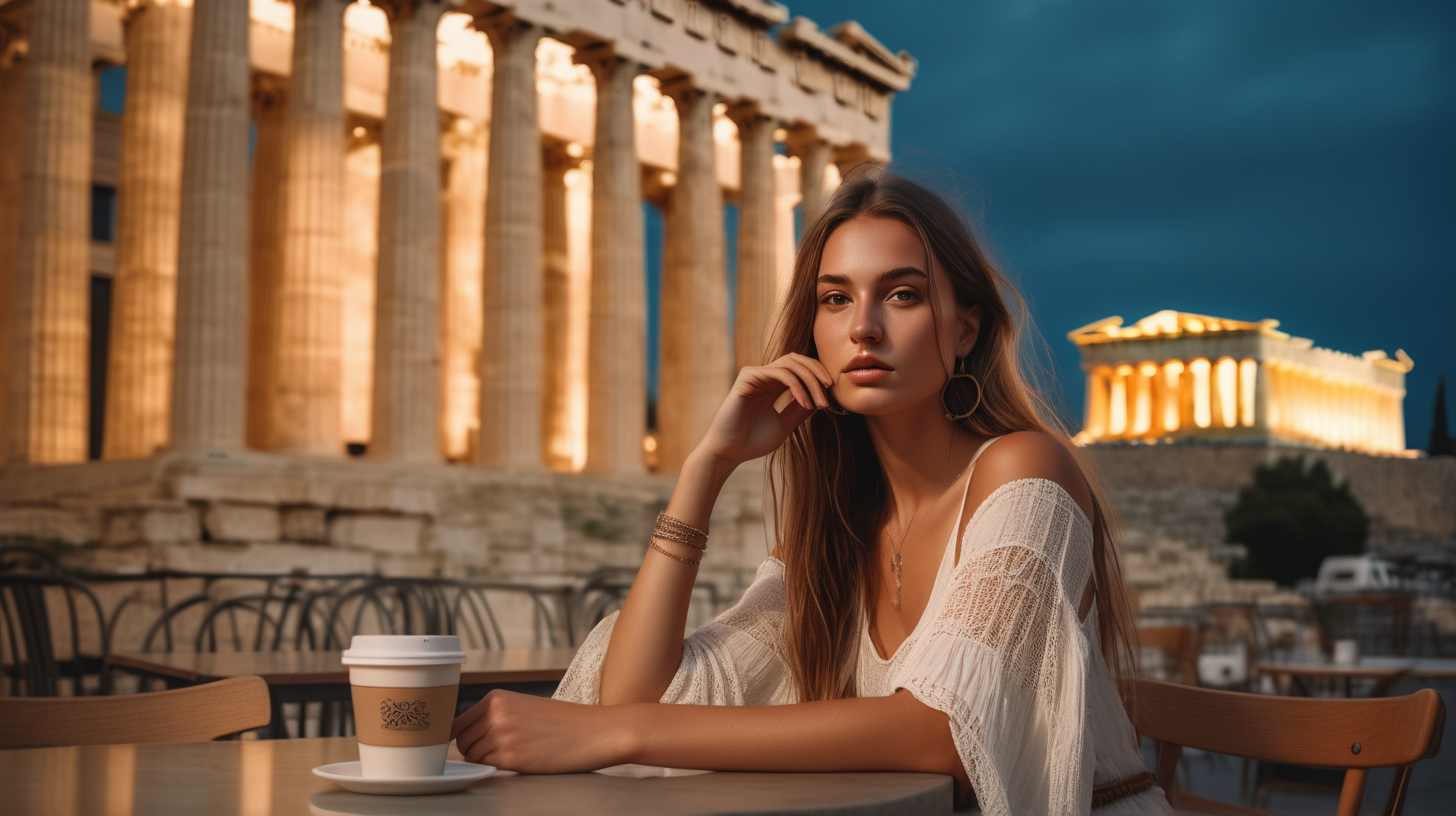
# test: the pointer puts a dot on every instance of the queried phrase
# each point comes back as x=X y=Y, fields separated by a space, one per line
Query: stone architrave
x=617 y=321
x=757 y=281
x=306 y=401
x=149 y=197
x=209 y=385
x=265 y=238
x=460 y=307
x=814 y=154
x=47 y=408
x=12 y=145
x=511 y=363
x=696 y=360
x=406 y=417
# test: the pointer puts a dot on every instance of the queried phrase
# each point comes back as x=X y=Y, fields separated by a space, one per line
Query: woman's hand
x=528 y=734
x=747 y=426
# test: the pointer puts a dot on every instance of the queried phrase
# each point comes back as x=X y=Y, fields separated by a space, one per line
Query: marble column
x=209 y=387
x=47 y=407
x=617 y=322
x=265 y=237
x=757 y=280
x=12 y=145
x=460 y=307
x=555 y=297
x=696 y=361
x=358 y=270
x=306 y=397
x=149 y=197
x=405 y=420
x=511 y=362
x=814 y=153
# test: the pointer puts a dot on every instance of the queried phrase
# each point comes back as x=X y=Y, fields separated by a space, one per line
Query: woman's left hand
x=519 y=732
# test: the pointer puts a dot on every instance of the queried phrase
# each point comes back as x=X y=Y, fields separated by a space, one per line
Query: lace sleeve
x=734 y=659
x=1004 y=656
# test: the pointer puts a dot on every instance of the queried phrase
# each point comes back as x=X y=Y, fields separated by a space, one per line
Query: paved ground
x=1432 y=789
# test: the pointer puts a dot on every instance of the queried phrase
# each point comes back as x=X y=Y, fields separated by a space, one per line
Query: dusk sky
x=1289 y=159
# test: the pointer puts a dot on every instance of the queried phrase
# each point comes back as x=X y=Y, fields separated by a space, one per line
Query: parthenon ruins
x=408 y=227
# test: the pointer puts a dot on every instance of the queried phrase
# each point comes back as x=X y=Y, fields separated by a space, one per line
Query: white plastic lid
x=403 y=650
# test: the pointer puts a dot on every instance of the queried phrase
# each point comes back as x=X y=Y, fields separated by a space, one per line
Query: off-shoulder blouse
x=1033 y=708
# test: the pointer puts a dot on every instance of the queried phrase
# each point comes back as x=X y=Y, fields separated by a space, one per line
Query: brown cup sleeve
x=404 y=717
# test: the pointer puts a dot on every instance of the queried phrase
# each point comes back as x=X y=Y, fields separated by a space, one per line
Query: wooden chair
x=1178 y=647
x=1356 y=735
x=195 y=714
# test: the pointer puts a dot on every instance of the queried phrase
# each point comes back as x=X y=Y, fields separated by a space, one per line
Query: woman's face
x=873 y=325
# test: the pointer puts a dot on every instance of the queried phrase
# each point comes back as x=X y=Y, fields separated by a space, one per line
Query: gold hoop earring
x=949 y=414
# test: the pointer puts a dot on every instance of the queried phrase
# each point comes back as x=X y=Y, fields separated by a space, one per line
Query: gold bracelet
x=673 y=535
x=654 y=546
x=664 y=520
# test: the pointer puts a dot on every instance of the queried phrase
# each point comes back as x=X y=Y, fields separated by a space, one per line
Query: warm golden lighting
x=120 y=780
x=1202 y=398
x=1248 y=378
x=1117 y=416
x=1172 y=380
x=1227 y=372
x=1098 y=383
x=256 y=783
x=1142 y=416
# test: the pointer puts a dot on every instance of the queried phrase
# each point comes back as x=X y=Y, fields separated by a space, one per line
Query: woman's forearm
x=646 y=644
x=894 y=733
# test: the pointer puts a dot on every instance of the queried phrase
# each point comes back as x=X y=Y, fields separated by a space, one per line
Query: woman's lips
x=866 y=376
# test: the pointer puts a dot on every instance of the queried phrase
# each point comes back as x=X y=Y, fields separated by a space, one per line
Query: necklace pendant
x=895 y=561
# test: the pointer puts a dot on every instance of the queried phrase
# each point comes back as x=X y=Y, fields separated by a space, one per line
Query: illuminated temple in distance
x=1177 y=377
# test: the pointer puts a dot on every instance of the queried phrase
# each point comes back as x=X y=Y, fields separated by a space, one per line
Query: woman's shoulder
x=1026 y=456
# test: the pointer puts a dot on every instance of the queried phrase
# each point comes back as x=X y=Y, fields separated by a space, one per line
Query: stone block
x=305 y=524
x=242 y=522
x=408 y=566
x=75 y=526
x=268 y=557
x=399 y=535
x=467 y=546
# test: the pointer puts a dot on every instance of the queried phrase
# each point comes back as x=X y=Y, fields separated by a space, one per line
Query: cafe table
x=274 y=778
x=311 y=676
x=1383 y=670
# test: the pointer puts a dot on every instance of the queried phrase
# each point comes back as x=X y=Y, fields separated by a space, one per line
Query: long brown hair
x=834 y=497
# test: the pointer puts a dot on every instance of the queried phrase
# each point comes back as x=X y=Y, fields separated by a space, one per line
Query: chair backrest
x=1356 y=735
x=37 y=652
x=194 y=714
x=1178 y=648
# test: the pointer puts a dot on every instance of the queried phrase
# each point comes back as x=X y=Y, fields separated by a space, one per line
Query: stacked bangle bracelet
x=671 y=529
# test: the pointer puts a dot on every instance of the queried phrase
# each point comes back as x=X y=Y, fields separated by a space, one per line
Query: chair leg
x=1353 y=791
x=1395 y=803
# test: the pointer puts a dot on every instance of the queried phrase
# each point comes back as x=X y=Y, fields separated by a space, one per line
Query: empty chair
x=195 y=714
x=1355 y=735
x=1170 y=653
x=39 y=650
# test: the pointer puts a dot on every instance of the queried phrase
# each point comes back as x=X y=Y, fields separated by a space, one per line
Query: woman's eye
x=835 y=299
x=912 y=295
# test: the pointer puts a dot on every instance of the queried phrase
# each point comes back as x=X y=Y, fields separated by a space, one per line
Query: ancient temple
x=407 y=227
x=1174 y=377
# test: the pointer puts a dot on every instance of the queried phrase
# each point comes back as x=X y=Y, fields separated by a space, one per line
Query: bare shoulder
x=1027 y=455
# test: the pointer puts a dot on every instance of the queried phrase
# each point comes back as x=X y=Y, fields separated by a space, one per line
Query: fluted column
x=209 y=388
x=405 y=418
x=757 y=283
x=460 y=307
x=555 y=298
x=814 y=153
x=511 y=362
x=265 y=236
x=696 y=360
x=149 y=197
x=617 y=322
x=306 y=399
x=12 y=146
x=47 y=411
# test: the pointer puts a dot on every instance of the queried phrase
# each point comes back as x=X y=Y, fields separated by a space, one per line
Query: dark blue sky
x=1289 y=159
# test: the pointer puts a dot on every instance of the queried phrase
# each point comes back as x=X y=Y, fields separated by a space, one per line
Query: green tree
x=1290 y=518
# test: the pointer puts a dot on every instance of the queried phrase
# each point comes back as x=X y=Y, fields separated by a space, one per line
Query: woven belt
x=1102 y=794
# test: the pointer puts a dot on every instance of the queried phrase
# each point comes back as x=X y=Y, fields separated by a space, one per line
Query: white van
x=1354 y=574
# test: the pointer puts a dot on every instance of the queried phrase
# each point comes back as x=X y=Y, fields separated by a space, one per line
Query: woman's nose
x=867 y=326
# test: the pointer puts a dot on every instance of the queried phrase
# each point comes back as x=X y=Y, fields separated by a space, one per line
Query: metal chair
x=28 y=641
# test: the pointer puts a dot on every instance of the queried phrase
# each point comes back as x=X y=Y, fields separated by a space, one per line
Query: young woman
x=944 y=594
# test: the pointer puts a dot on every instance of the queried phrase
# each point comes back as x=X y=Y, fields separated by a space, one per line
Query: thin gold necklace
x=897 y=559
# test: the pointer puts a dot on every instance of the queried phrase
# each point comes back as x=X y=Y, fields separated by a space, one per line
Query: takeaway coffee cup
x=404 y=689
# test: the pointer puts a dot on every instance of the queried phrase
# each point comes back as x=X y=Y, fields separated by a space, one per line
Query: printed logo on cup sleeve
x=404 y=716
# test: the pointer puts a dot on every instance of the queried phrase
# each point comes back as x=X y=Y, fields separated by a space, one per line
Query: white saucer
x=457 y=776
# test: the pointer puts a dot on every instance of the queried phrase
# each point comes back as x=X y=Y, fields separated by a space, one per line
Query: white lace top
x=1033 y=709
